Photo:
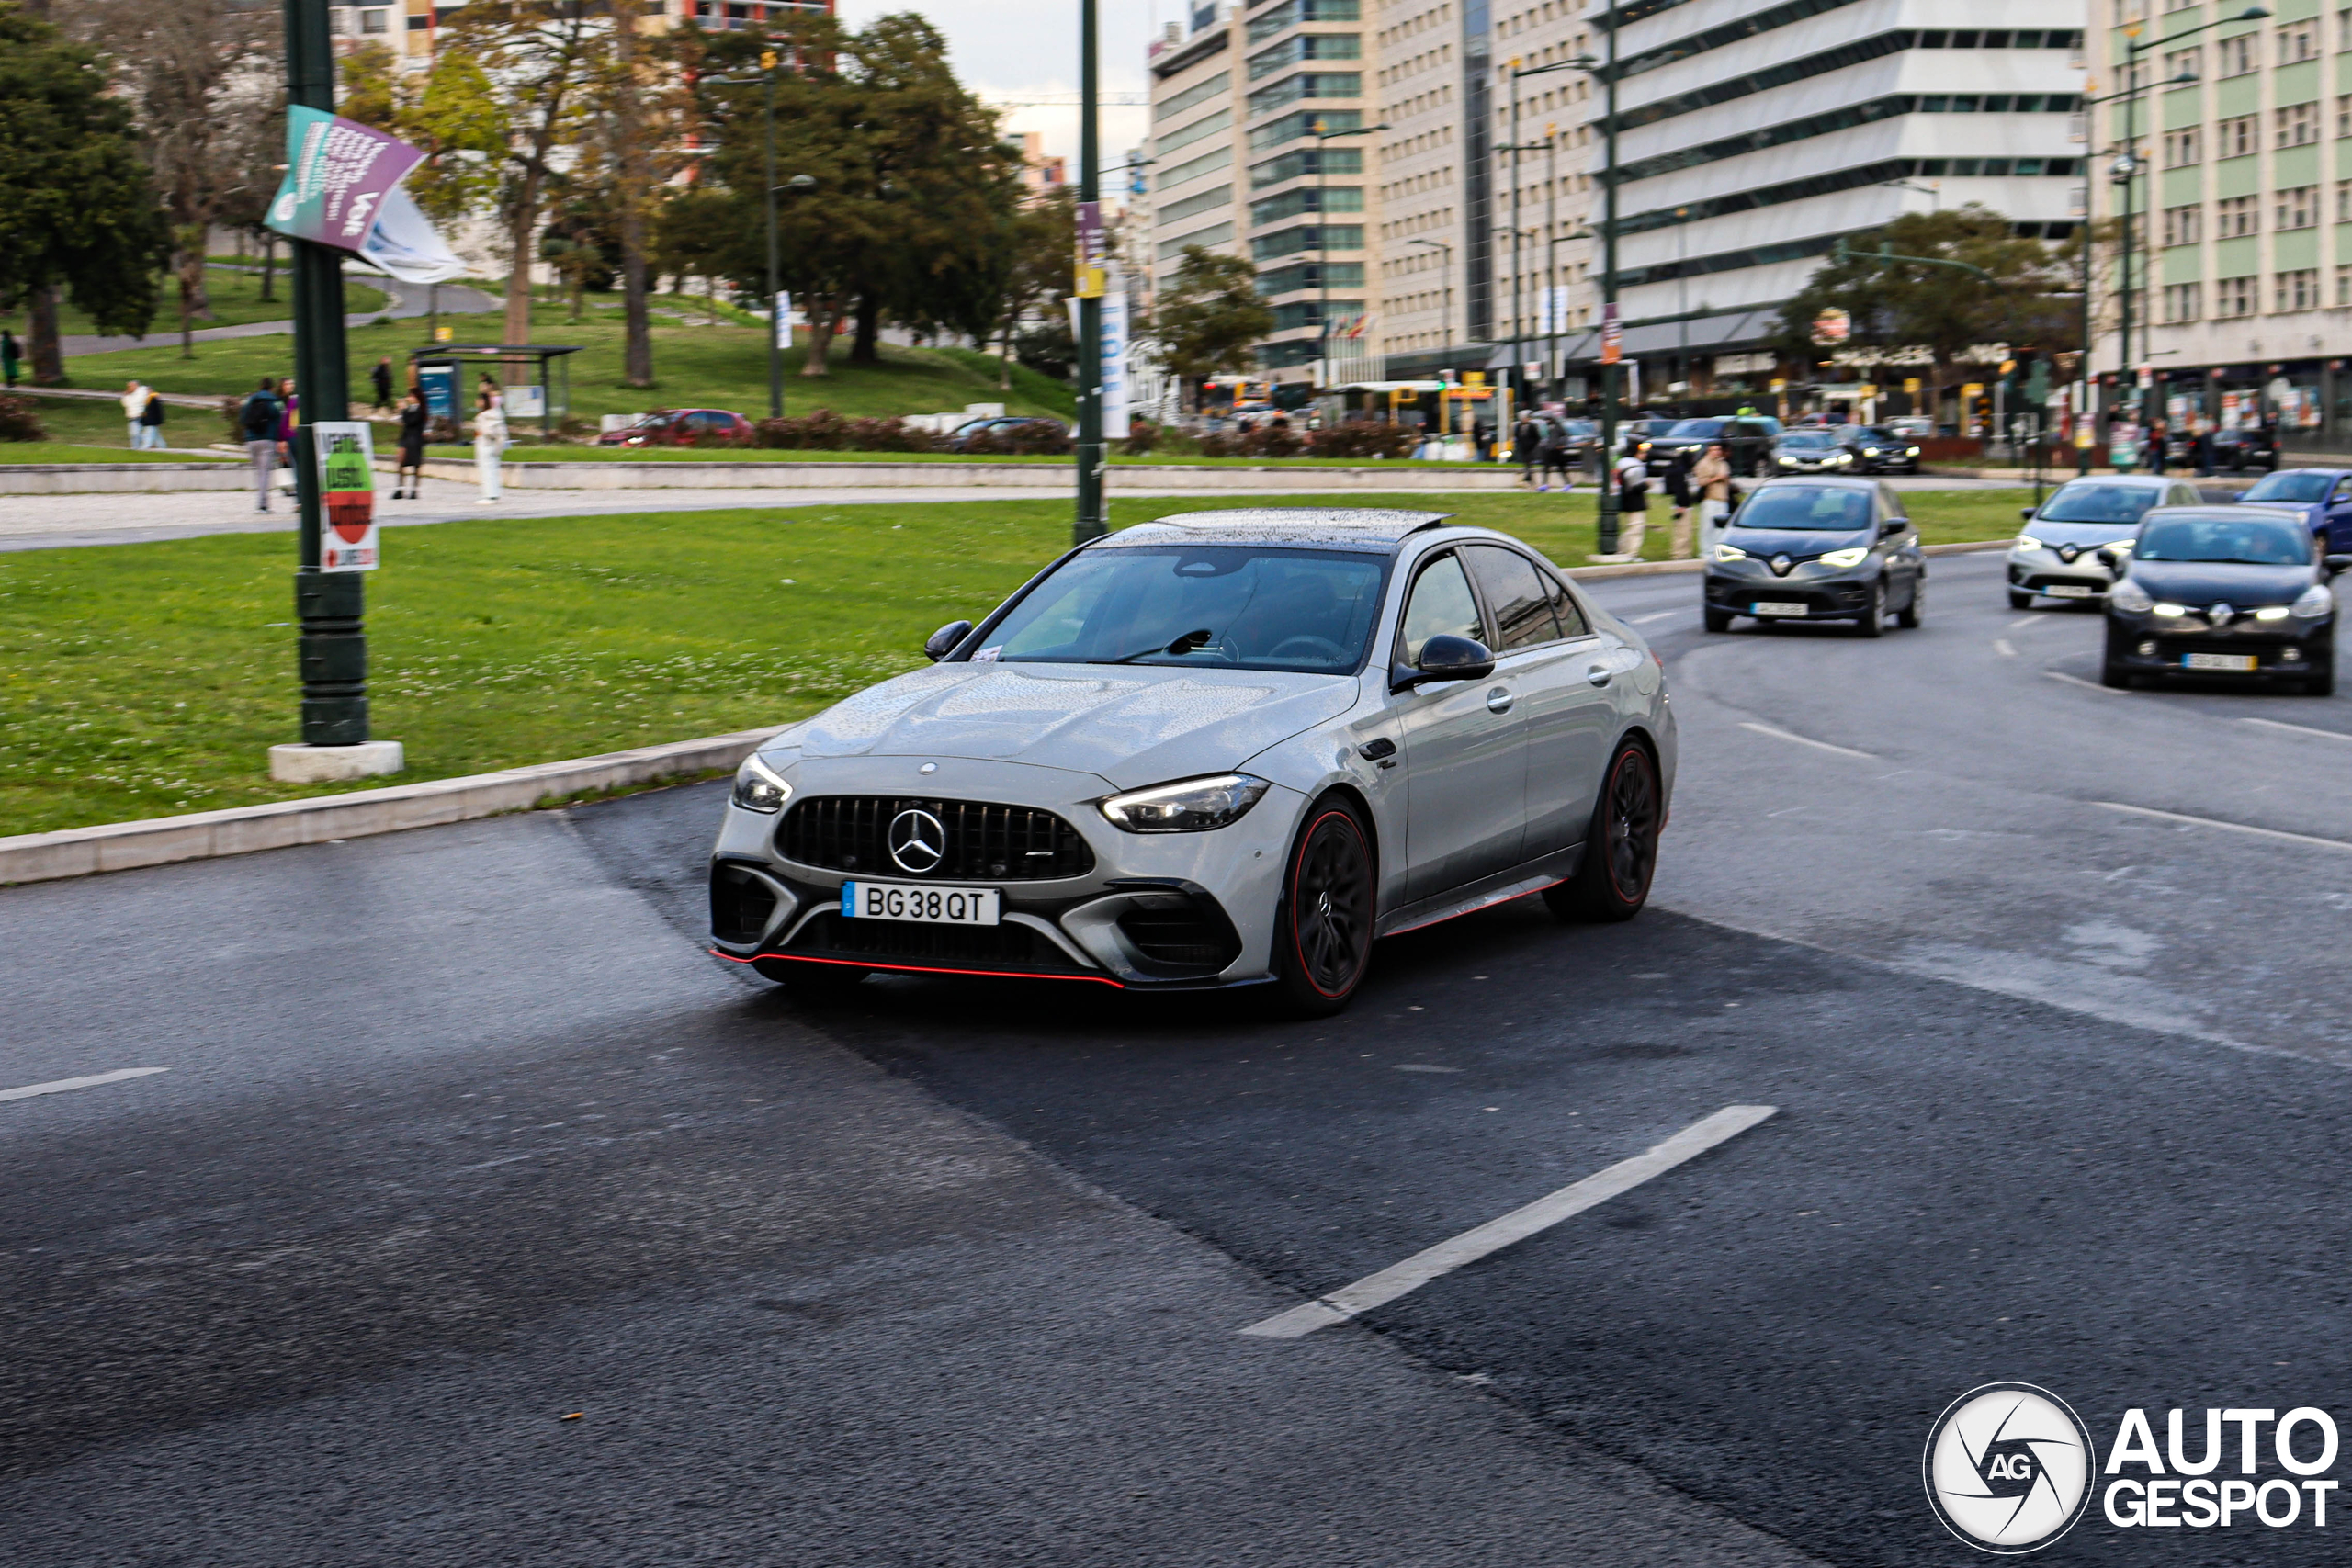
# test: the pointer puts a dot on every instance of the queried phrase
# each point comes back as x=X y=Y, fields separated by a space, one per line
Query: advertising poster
x=346 y=454
x=337 y=174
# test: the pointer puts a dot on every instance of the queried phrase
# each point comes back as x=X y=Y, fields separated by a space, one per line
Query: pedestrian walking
x=151 y=421
x=1677 y=490
x=2200 y=451
x=287 y=418
x=413 y=421
x=1710 y=483
x=258 y=419
x=490 y=440
x=134 y=403
x=380 y=377
x=1526 y=444
x=2157 y=453
x=1633 y=499
x=11 y=355
x=1555 y=456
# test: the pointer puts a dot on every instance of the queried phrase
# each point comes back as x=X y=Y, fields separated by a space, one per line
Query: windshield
x=1231 y=607
x=1808 y=438
x=2239 y=541
x=1841 y=511
x=1698 y=429
x=2291 y=484
x=2097 y=504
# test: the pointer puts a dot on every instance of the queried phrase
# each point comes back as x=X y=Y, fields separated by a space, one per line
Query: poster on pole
x=1612 y=335
x=1114 y=355
x=347 y=455
x=343 y=189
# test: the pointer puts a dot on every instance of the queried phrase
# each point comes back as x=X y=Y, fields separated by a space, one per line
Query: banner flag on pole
x=343 y=189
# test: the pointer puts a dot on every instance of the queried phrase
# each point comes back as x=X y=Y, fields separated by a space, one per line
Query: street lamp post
x=1323 y=239
x=1515 y=147
x=766 y=79
x=1093 y=518
x=331 y=642
x=2083 y=370
x=1607 y=71
x=1445 y=301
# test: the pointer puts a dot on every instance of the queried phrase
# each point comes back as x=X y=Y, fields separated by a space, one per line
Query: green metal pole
x=775 y=311
x=1093 y=519
x=330 y=607
x=1607 y=541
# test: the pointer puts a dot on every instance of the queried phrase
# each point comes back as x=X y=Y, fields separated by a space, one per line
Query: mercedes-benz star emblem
x=918 y=841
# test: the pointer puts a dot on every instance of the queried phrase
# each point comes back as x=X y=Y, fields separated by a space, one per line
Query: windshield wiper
x=1189 y=643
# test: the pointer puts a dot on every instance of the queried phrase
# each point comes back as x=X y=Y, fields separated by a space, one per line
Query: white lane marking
x=2226 y=826
x=1804 y=740
x=2297 y=728
x=1400 y=1278
x=1423 y=1067
x=2003 y=646
x=2086 y=685
x=2027 y=621
x=1653 y=616
x=62 y=1085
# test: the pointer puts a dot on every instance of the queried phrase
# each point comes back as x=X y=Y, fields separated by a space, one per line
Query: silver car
x=2056 y=557
x=1224 y=749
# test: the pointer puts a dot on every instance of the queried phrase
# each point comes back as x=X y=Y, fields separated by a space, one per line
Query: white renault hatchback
x=2056 y=555
x=1224 y=749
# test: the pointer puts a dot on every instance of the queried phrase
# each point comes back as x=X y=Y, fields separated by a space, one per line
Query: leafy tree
x=1940 y=309
x=696 y=236
x=1211 y=317
x=76 y=208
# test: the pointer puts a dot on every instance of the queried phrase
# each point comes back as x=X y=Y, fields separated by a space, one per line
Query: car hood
x=2200 y=583
x=1766 y=542
x=1132 y=725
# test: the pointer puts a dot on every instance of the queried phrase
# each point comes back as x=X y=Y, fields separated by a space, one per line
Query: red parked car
x=679 y=427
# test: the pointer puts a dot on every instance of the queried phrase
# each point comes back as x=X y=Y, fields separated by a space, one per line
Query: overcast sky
x=1029 y=49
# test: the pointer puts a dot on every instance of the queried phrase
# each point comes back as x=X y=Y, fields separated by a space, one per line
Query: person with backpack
x=1555 y=452
x=1632 y=499
x=150 y=420
x=257 y=419
x=1526 y=444
x=1678 y=490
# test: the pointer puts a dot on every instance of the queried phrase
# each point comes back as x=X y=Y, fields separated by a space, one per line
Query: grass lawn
x=695 y=365
x=236 y=300
x=98 y=423
x=145 y=679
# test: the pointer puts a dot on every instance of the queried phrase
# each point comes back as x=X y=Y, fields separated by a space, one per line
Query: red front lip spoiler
x=921 y=968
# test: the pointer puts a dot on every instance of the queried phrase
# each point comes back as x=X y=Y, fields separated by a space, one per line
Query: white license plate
x=2068 y=591
x=1770 y=607
x=2236 y=663
x=922 y=905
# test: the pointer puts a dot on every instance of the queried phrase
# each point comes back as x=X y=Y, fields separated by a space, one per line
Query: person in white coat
x=134 y=411
x=489 y=441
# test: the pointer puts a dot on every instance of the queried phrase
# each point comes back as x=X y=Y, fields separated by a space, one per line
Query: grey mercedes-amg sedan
x=1223 y=748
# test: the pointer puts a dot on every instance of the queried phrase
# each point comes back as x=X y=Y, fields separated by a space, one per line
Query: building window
x=2343 y=284
x=2238 y=56
x=2234 y=296
x=2344 y=114
x=2182 y=302
x=2184 y=62
x=2237 y=137
x=2235 y=217
x=375 y=20
x=2184 y=146
x=2184 y=225
x=2343 y=201
x=2297 y=42
x=2296 y=290
x=2298 y=207
x=2298 y=124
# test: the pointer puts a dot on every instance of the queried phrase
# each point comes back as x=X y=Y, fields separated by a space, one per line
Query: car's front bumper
x=1155 y=910
x=2162 y=646
x=1828 y=593
x=2046 y=572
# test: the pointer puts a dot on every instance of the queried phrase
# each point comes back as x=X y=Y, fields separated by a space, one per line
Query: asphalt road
x=462 y=1135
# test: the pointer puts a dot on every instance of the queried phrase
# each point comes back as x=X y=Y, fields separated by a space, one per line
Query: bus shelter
x=536 y=380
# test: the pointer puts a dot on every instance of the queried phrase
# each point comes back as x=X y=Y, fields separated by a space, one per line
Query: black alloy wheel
x=1323 y=940
x=1613 y=881
x=1909 y=616
x=1717 y=620
x=2113 y=673
x=2020 y=600
x=1873 y=621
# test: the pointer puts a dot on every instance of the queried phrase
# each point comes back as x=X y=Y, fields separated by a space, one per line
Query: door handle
x=1600 y=674
x=1500 y=700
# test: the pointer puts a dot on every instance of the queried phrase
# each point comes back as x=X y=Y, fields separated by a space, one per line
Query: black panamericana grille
x=984 y=842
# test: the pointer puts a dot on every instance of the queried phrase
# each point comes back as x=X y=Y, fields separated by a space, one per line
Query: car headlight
x=1193 y=806
x=1730 y=552
x=2131 y=598
x=1788 y=462
x=759 y=788
x=1912 y=453
x=2163 y=608
x=2271 y=612
x=1841 y=558
x=2316 y=604
x=1843 y=457
x=2027 y=542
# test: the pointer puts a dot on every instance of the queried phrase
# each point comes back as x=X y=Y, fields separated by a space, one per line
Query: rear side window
x=1564 y=608
x=1515 y=595
x=1441 y=606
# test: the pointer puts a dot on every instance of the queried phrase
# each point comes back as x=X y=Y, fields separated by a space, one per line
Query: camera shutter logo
x=917 y=842
x=2008 y=1468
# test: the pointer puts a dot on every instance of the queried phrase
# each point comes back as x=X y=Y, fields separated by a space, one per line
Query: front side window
x=1515 y=597
x=1199 y=607
x=1440 y=606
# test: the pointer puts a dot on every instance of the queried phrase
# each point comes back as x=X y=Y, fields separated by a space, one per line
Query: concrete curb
x=114 y=479
x=202 y=835
x=120 y=846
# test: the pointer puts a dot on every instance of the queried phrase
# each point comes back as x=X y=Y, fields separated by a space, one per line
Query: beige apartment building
x=408 y=27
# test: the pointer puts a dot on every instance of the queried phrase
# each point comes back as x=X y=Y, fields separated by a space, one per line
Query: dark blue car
x=2325 y=495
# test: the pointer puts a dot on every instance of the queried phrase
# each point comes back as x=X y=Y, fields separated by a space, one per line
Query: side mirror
x=1448 y=658
x=1892 y=527
x=2338 y=563
x=941 y=643
x=2105 y=557
x=2025 y=513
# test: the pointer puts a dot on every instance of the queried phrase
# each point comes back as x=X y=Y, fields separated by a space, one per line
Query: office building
x=2242 y=215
